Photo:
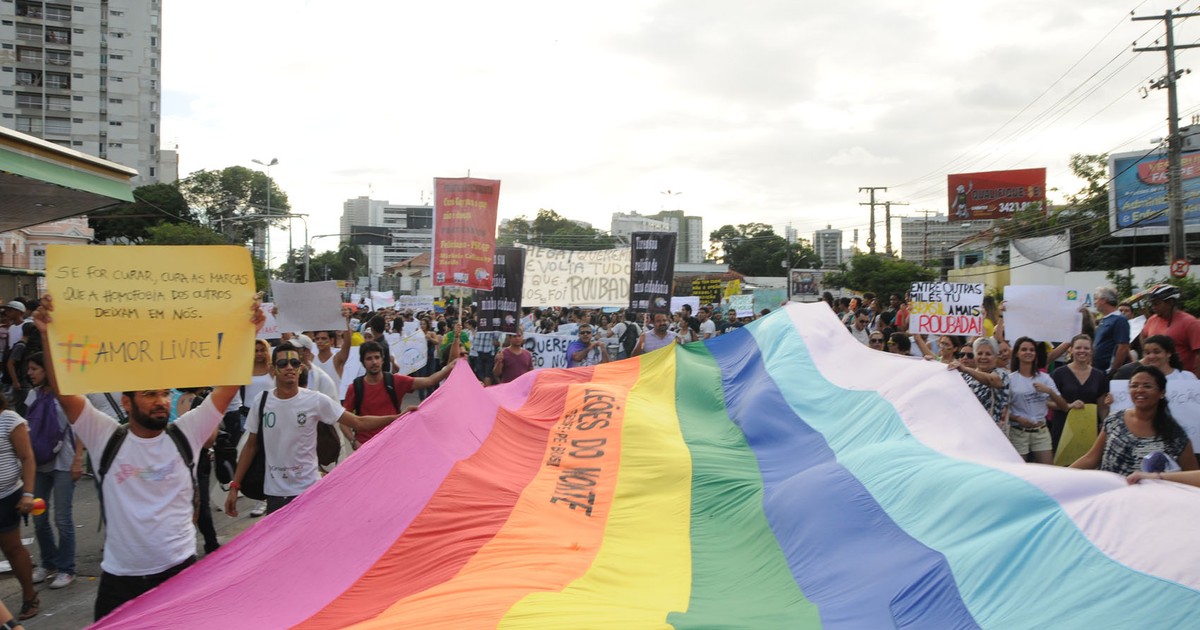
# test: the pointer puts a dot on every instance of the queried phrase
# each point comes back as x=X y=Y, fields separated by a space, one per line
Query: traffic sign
x=1179 y=268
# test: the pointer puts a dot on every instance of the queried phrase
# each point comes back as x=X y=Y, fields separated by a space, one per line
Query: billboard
x=805 y=285
x=996 y=194
x=1137 y=193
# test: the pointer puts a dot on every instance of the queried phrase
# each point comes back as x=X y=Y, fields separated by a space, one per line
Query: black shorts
x=10 y=517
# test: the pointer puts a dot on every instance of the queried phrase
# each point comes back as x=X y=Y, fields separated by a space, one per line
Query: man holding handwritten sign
x=946 y=308
x=149 y=490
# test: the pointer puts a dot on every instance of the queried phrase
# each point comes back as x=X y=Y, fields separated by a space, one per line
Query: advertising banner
x=1137 y=193
x=805 y=285
x=150 y=317
x=464 y=231
x=651 y=271
x=996 y=194
x=558 y=277
x=946 y=308
x=501 y=309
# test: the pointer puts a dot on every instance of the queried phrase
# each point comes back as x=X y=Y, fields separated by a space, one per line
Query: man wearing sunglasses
x=861 y=327
x=287 y=421
x=585 y=350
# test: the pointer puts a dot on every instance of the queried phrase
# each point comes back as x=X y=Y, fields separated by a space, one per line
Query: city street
x=71 y=607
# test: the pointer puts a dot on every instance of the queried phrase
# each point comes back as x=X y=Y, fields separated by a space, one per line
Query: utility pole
x=887 y=223
x=1174 y=142
x=871 y=234
x=925 y=252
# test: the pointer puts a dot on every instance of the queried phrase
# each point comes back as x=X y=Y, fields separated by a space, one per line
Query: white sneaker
x=40 y=574
x=259 y=509
x=62 y=580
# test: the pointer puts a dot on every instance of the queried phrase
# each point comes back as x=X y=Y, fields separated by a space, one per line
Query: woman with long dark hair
x=1127 y=436
x=1032 y=388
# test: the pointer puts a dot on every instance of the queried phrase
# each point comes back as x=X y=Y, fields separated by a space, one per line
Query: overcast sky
x=768 y=111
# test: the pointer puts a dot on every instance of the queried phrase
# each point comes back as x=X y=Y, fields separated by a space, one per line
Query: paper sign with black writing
x=270 y=329
x=414 y=303
x=549 y=351
x=308 y=306
x=145 y=317
x=558 y=277
x=651 y=271
x=946 y=308
x=1183 y=399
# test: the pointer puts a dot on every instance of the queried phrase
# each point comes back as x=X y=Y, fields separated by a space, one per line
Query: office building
x=85 y=75
x=410 y=226
x=925 y=239
x=828 y=245
x=691 y=239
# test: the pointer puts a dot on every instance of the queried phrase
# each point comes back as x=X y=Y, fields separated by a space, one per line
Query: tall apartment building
x=689 y=246
x=828 y=245
x=926 y=239
x=411 y=229
x=85 y=74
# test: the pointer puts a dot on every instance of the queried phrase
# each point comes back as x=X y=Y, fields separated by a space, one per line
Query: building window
x=115 y=100
x=116 y=56
x=29 y=101
x=29 y=32
x=58 y=103
x=29 y=55
x=116 y=145
x=116 y=34
x=58 y=58
x=153 y=172
x=29 y=10
x=114 y=123
x=58 y=80
x=77 y=98
x=58 y=13
x=25 y=124
x=58 y=35
x=153 y=41
x=77 y=121
x=77 y=143
x=152 y=127
x=58 y=126
x=78 y=75
x=31 y=78
x=117 y=79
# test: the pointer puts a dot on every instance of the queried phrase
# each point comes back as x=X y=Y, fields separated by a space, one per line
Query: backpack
x=388 y=383
x=45 y=434
x=252 y=483
x=629 y=338
x=229 y=433
x=110 y=453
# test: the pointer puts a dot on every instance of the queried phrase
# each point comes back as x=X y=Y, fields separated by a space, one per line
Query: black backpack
x=389 y=384
x=114 y=444
x=629 y=338
x=229 y=433
x=252 y=483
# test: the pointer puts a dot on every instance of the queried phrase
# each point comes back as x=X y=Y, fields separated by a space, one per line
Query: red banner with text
x=464 y=231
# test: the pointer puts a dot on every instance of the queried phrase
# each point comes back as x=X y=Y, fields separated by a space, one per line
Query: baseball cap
x=16 y=305
x=305 y=342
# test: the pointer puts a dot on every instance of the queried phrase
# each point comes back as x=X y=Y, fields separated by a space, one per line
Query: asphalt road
x=71 y=607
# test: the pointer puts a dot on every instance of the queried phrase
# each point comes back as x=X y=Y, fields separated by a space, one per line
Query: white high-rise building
x=925 y=239
x=85 y=74
x=689 y=245
x=828 y=245
x=411 y=229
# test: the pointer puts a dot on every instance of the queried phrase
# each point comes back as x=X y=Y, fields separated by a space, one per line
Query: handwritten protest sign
x=382 y=299
x=144 y=317
x=946 y=308
x=1183 y=399
x=308 y=306
x=270 y=329
x=549 y=351
x=1042 y=313
x=555 y=277
x=414 y=303
x=678 y=301
x=743 y=304
x=768 y=298
x=409 y=351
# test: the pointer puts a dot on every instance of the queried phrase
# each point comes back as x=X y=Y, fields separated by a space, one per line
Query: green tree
x=336 y=265
x=226 y=197
x=880 y=275
x=154 y=204
x=192 y=234
x=754 y=249
x=550 y=229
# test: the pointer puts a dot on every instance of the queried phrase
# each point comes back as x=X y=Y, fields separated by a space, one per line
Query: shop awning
x=41 y=181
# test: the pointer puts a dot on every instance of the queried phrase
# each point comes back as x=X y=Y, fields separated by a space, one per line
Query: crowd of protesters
x=1027 y=387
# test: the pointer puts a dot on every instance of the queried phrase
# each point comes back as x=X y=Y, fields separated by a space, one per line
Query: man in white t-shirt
x=708 y=328
x=289 y=431
x=148 y=491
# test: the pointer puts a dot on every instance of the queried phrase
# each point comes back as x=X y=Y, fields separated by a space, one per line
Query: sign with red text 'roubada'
x=464 y=231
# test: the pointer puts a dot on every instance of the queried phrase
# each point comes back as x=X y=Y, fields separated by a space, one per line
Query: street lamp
x=273 y=162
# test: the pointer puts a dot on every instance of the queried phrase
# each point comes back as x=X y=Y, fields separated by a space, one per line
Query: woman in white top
x=1032 y=388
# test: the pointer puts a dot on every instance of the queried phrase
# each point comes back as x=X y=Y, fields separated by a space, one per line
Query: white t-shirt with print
x=147 y=492
x=291 y=438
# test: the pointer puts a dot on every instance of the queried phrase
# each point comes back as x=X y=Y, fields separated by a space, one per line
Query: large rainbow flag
x=782 y=476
